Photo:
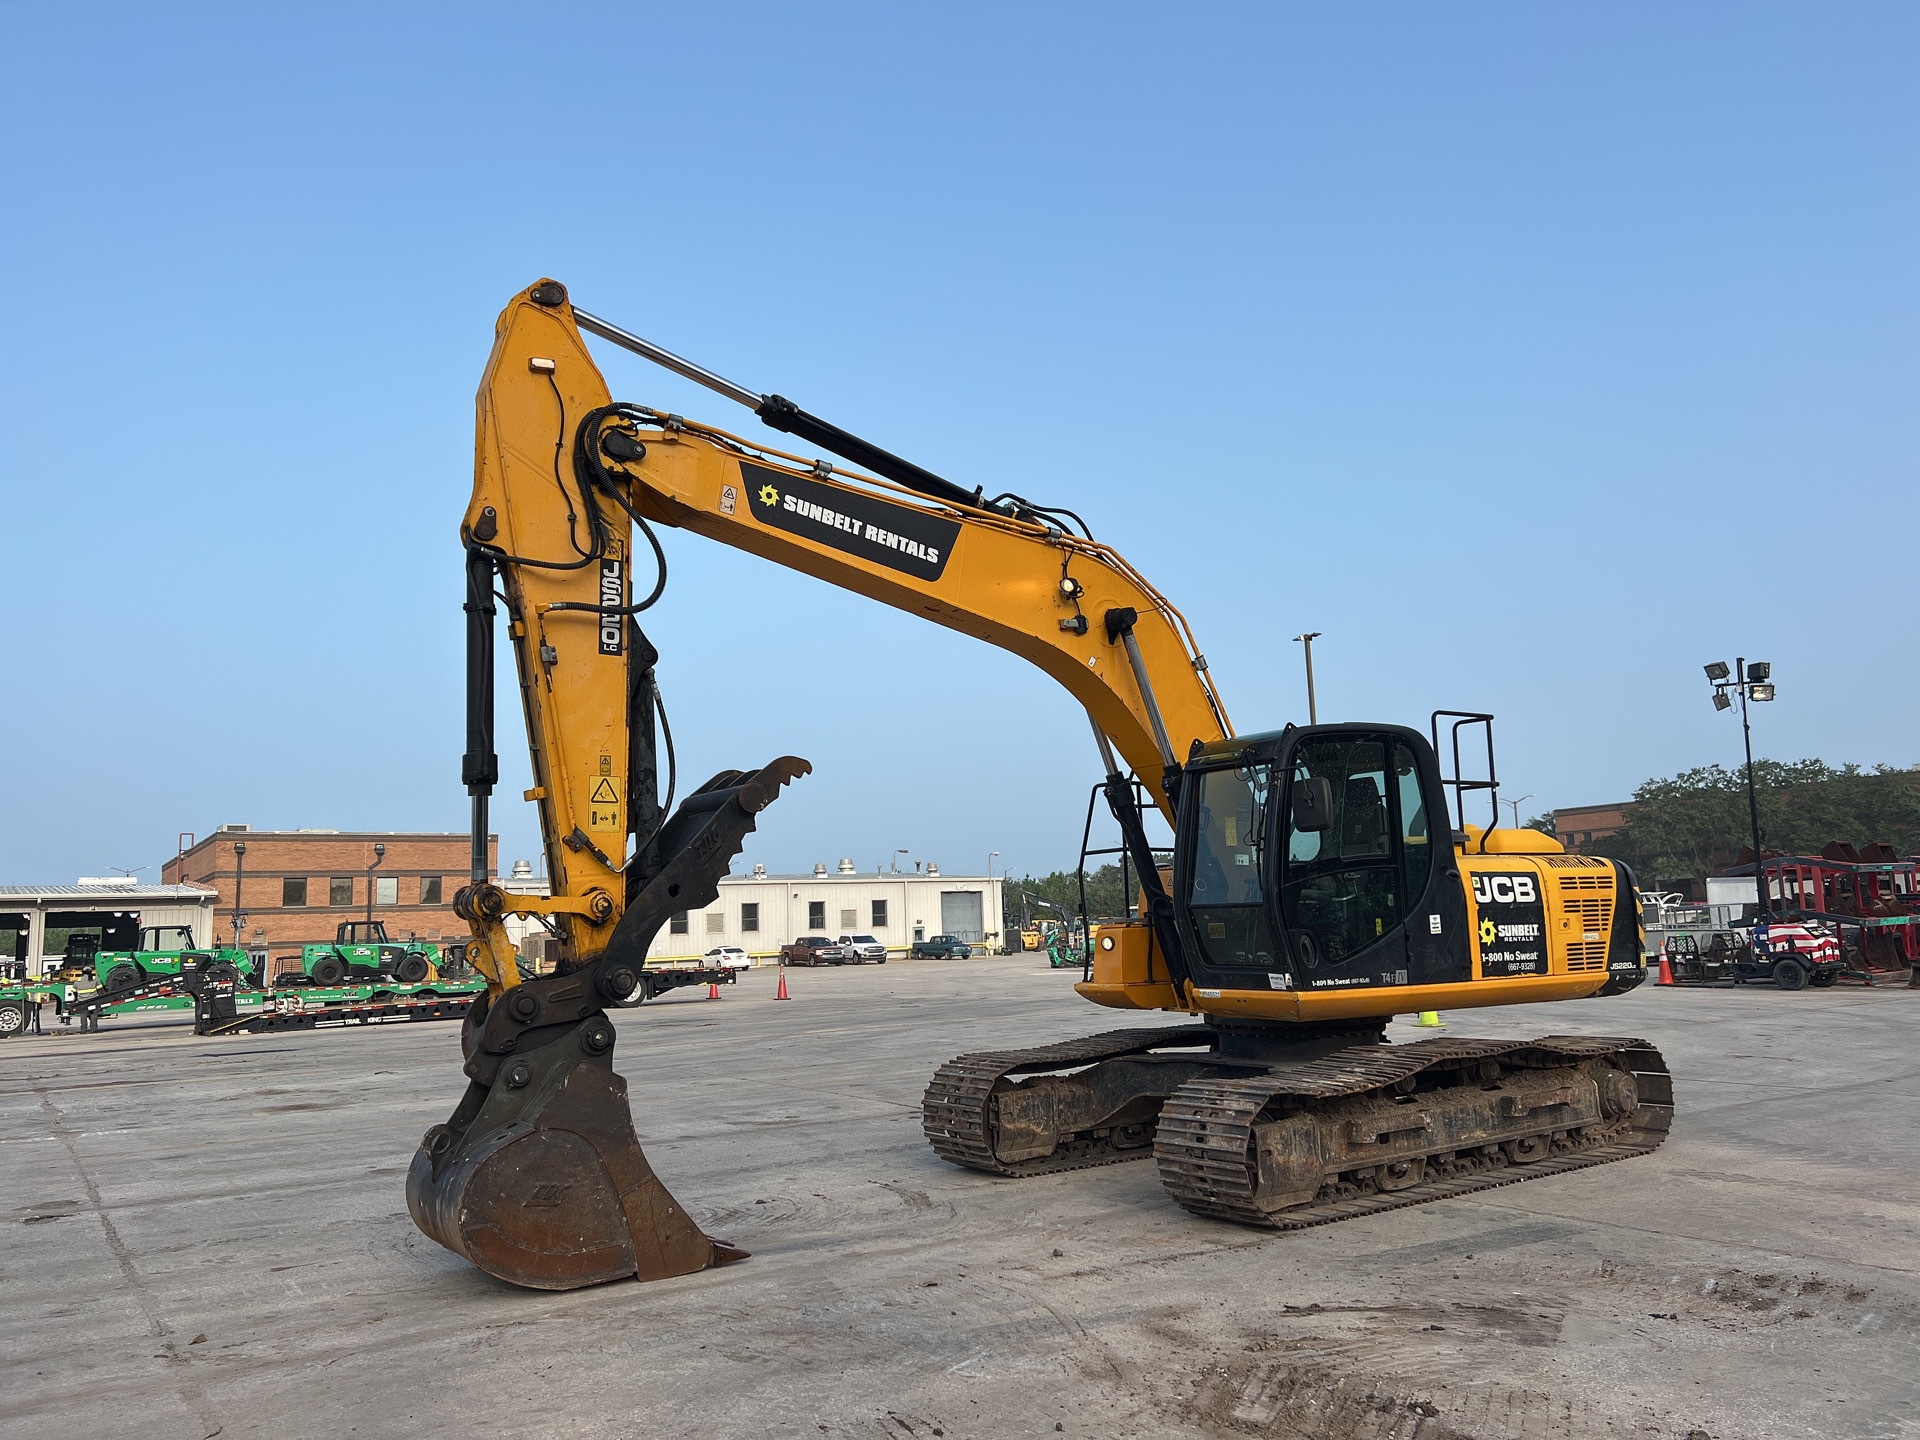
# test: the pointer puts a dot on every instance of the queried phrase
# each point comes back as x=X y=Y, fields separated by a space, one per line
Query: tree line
x=1107 y=898
x=1687 y=826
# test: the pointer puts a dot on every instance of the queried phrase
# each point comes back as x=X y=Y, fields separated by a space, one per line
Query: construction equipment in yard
x=361 y=952
x=1318 y=882
x=165 y=951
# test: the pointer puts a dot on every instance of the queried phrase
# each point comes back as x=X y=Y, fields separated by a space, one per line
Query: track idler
x=538 y=1177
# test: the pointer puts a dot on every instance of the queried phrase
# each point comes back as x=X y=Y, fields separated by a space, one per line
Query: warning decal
x=603 y=804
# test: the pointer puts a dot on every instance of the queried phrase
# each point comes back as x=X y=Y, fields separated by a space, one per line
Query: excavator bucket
x=549 y=1188
x=538 y=1177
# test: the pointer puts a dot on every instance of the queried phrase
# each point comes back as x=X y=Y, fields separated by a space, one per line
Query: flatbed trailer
x=85 y=1008
x=227 y=1007
x=659 y=976
x=219 y=1007
x=20 y=1005
x=222 y=1008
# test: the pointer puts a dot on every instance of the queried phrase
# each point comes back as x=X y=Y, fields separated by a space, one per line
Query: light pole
x=894 y=860
x=1752 y=682
x=1313 y=710
x=239 y=879
x=1516 y=804
x=379 y=854
x=992 y=856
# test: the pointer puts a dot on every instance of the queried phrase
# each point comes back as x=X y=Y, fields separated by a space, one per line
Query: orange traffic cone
x=1666 y=970
x=713 y=990
x=781 y=993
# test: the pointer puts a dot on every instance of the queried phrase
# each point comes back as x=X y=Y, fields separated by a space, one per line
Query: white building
x=761 y=912
x=36 y=920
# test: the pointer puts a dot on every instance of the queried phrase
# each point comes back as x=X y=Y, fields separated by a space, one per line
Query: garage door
x=960 y=915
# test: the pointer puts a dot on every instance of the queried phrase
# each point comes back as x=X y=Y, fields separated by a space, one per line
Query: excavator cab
x=1306 y=861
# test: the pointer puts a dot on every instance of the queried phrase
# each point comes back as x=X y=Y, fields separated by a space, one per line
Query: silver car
x=864 y=948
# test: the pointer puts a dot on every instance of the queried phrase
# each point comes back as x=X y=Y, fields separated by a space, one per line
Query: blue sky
x=1534 y=354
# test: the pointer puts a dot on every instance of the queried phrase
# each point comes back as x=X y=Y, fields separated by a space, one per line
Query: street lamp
x=1516 y=804
x=379 y=854
x=894 y=860
x=1313 y=711
x=991 y=857
x=1750 y=682
x=239 y=879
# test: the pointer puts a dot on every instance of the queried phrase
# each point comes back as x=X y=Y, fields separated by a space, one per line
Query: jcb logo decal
x=613 y=595
x=1504 y=890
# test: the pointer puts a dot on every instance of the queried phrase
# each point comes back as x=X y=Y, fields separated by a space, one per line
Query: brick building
x=1578 y=826
x=295 y=886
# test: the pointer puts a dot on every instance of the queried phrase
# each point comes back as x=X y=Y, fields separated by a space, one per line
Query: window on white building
x=816 y=914
x=750 y=919
x=879 y=914
x=677 y=924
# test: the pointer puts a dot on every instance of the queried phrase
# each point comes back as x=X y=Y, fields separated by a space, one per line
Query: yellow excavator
x=1321 y=880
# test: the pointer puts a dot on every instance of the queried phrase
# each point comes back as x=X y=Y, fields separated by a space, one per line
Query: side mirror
x=1313 y=803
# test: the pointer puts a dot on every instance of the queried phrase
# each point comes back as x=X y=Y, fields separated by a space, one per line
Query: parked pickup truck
x=814 y=950
x=864 y=948
x=940 y=947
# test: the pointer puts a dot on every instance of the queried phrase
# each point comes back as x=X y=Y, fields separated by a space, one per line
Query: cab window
x=1417 y=856
x=1226 y=893
x=1346 y=887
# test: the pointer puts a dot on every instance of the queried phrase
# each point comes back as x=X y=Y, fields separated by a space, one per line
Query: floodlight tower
x=1750 y=682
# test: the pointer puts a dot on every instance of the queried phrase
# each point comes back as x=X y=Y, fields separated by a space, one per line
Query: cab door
x=1368 y=891
x=1224 y=875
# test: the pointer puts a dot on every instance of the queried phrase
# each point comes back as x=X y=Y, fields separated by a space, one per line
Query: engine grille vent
x=1592 y=916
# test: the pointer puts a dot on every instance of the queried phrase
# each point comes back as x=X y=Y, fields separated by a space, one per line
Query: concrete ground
x=209 y=1237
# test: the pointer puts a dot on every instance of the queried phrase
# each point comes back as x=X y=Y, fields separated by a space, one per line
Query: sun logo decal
x=1489 y=932
x=769 y=496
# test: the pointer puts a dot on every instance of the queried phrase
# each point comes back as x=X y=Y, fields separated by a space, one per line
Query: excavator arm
x=538 y=1176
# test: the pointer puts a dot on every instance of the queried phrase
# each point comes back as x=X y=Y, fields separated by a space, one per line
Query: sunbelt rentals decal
x=1513 y=923
x=896 y=536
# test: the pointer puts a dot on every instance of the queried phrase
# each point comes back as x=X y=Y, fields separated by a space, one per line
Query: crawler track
x=954 y=1112
x=1204 y=1140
